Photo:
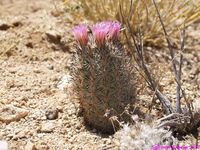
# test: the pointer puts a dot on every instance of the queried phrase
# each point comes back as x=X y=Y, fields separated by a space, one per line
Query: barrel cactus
x=104 y=76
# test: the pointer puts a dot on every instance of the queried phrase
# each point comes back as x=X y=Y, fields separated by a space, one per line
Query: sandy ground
x=33 y=69
x=37 y=109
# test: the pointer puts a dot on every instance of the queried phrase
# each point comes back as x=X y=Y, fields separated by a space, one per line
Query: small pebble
x=47 y=127
x=11 y=113
x=30 y=146
x=52 y=114
x=4 y=25
x=50 y=67
x=53 y=35
x=3 y=145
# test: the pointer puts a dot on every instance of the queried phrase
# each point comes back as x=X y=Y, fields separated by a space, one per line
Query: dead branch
x=180 y=121
x=138 y=55
x=177 y=73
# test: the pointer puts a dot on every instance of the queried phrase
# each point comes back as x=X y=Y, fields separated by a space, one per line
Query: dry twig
x=181 y=121
x=138 y=55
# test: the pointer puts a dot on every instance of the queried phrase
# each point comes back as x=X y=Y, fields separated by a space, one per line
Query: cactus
x=104 y=80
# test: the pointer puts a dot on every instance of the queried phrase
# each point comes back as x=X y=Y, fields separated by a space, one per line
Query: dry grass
x=141 y=13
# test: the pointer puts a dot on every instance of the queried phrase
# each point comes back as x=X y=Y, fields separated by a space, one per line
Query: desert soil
x=35 y=110
x=37 y=107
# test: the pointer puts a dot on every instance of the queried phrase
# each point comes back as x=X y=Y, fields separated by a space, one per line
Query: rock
x=60 y=109
x=16 y=21
x=29 y=44
x=65 y=82
x=30 y=146
x=56 y=13
x=47 y=127
x=10 y=136
x=10 y=83
x=37 y=70
x=53 y=36
x=22 y=99
x=51 y=114
x=10 y=113
x=22 y=134
x=4 y=25
x=50 y=67
x=3 y=145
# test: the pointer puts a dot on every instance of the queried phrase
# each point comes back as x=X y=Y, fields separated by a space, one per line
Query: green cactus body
x=105 y=85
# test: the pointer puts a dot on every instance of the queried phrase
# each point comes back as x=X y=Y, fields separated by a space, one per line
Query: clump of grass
x=142 y=13
x=104 y=80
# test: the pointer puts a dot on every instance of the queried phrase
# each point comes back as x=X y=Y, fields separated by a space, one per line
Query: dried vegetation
x=144 y=23
x=142 y=13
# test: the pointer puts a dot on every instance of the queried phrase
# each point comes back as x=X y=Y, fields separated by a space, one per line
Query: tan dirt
x=33 y=55
x=37 y=107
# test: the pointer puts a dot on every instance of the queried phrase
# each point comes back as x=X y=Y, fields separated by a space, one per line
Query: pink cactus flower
x=114 y=30
x=106 y=28
x=100 y=31
x=80 y=34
